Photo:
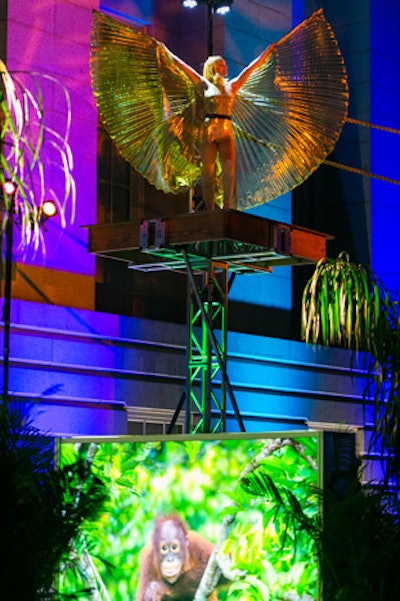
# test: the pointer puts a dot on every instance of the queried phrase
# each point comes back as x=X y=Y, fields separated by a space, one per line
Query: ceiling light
x=220 y=7
x=223 y=7
x=189 y=3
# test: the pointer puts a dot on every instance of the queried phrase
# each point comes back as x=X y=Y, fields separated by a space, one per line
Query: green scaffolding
x=207 y=381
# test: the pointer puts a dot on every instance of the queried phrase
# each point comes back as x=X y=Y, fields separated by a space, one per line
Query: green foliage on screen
x=202 y=481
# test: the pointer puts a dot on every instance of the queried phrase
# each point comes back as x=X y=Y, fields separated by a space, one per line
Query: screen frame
x=210 y=438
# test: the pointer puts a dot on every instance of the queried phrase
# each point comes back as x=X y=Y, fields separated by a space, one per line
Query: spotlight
x=221 y=8
x=9 y=188
x=47 y=210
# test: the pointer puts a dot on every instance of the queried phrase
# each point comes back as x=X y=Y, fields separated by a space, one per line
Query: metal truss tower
x=207 y=382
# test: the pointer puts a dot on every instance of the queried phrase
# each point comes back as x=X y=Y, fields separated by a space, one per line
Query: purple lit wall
x=85 y=372
x=53 y=37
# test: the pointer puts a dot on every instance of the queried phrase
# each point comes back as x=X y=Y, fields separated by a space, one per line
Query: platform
x=247 y=243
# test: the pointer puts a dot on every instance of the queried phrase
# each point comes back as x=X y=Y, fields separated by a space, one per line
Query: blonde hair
x=210 y=68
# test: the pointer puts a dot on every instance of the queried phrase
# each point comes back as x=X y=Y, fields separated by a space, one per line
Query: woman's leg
x=208 y=153
x=226 y=149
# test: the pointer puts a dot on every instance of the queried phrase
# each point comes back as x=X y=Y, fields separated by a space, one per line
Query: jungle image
x=192 y=517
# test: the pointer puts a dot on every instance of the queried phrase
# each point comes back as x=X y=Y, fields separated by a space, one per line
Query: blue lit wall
x=274 y=289
x=86 y=372
x=360 y=211
x=385 y=147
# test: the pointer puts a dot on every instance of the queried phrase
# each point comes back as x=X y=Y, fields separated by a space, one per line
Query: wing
x=289 y=113
x=147 y=104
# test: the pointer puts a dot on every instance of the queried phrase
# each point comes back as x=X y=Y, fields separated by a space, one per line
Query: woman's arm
x=195 y=77
x=240 y=80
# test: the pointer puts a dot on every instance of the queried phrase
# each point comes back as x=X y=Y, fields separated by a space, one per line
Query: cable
x=364 y=172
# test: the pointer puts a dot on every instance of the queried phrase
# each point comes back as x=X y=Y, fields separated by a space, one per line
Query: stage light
x=221 y=8
x=48 y=208
x=9 y=188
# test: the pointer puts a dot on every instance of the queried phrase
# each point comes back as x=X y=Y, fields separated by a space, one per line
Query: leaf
x=260 y=586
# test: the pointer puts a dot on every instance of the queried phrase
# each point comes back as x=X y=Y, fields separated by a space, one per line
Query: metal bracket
x=152 y=234
x=281 y=237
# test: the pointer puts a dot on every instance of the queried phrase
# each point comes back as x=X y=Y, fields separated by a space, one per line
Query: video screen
x=196 y=517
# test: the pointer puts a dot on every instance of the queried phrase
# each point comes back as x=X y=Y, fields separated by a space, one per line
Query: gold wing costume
x=287 y=116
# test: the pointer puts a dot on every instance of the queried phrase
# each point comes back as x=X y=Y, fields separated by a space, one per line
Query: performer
x=249 y=139
x=218 y=136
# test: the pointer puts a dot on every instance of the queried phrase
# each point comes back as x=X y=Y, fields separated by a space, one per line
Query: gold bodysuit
x=218 y=106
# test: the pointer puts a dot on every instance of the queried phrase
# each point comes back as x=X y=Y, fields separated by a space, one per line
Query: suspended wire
x=365 y=172
x=372 y=125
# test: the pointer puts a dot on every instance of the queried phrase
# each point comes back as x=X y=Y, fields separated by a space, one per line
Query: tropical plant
x=36 y=158
x=345 y=305
x=42 y=508
x=357 y=537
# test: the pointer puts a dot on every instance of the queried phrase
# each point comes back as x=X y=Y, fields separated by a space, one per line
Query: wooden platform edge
x=118 y=240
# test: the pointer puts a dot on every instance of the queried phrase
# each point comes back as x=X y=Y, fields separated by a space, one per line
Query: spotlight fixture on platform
x=219 y=7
